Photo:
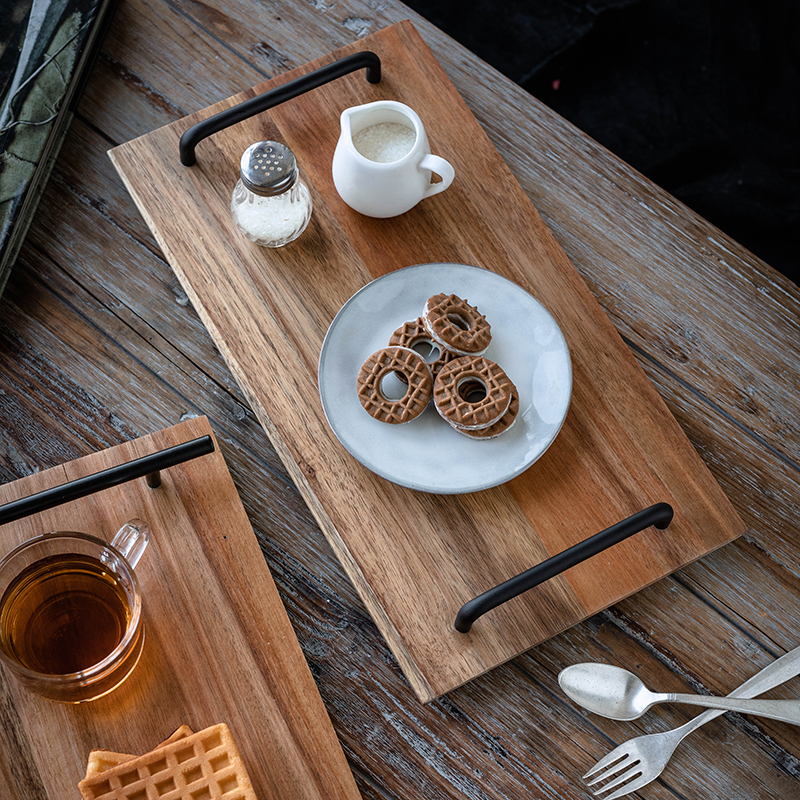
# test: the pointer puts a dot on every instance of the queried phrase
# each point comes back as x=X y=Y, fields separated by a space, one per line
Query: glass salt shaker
x=270 y=204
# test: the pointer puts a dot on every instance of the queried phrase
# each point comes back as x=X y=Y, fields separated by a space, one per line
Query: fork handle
x=774 y=674
x=782 y=710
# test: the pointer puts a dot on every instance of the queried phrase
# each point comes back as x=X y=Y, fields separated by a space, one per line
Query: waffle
x=202 y=766
x=472 y=392
x=101 y=760
x=415 y=335
x=380 y=365
x=456 y=325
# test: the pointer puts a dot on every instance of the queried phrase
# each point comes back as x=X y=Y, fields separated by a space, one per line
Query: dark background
x=701 y=96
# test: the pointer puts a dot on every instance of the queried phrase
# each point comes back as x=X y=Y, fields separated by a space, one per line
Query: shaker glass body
x=271 y=220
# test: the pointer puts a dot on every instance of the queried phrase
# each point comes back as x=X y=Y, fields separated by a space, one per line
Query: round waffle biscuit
x=456 y=325
x=417 y=375
x=499 y=427
x=472 y=392
x=415 y=335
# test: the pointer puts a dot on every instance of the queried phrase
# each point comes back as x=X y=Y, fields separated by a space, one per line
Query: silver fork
x=639 y=761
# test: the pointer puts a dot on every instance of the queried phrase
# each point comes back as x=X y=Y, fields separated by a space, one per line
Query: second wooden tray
x=416 y=558
x=218 y=646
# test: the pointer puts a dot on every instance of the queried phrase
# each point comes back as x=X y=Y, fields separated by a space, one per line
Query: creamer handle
x=440 y=167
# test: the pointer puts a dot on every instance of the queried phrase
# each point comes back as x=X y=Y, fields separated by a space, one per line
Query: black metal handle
x=145 y=467
x=659 y=515
x=281 y=94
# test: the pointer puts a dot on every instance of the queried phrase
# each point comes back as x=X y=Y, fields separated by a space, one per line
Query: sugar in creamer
x=384 y=142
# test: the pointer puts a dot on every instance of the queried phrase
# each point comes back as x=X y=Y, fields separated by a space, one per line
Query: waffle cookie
x=472 y=393
x=415 y=335
x=456 y=325
x=101 y=760
x=379 y=366
x=204 y=765
x=499 y=427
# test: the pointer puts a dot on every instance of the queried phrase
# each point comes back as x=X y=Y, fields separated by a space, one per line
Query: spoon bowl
x=606 y=690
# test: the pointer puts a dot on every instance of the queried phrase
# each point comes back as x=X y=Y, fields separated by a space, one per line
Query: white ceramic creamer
x=382 y=165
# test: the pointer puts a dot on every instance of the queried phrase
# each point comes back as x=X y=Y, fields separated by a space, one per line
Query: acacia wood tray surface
x=219 y=646
x=415 y=558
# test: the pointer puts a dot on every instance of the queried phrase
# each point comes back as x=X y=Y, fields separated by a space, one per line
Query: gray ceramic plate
x=426 y=454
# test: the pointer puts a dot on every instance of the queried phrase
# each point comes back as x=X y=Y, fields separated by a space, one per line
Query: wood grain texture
x=417 y=559
x=218 y=644
x=99 y=344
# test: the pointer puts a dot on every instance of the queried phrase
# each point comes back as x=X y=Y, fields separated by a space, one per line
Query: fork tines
x=611 y=766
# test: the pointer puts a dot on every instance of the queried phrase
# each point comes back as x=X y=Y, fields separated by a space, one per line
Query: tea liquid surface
x=63 y=614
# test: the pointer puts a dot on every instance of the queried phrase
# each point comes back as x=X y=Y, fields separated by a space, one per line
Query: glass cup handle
x=131 y=540
x=442 y=168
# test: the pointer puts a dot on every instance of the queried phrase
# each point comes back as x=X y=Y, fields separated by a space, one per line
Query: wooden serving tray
x=218 y=644
x=414 y=557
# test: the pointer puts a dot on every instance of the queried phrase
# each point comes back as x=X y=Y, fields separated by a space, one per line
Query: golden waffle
x=415 y=335
x=101 y=760
x=456 y=325
x=472 y=392
x=380 y=365
x=203 y=766
x=499 y=427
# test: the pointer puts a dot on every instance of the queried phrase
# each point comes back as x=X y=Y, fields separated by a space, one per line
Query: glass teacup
x=71 y=623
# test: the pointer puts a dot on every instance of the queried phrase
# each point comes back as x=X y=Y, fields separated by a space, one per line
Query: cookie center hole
x=427 y=349
x=392 y=388
x=458 y=321
x=472 y=390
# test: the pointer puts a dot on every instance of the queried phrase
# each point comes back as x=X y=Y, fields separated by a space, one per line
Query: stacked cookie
x=440 y=356
x=187 y=766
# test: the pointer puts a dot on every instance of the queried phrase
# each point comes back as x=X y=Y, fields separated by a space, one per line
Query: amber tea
x=63 y=614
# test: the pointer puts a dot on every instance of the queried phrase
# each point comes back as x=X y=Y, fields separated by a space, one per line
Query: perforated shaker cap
x=268 y=168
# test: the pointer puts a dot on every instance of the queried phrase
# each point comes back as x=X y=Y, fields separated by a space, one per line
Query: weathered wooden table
x=99 y=344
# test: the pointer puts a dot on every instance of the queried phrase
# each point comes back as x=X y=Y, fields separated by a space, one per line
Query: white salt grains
x=272 y=221
x=385 y=141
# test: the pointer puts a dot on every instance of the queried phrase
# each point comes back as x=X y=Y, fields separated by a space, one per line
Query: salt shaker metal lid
x=268 y=168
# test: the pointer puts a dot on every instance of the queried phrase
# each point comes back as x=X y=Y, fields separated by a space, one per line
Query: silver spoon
x=615 y=693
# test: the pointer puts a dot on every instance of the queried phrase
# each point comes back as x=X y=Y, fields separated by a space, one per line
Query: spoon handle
x=778 y=672
x=782 y=710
